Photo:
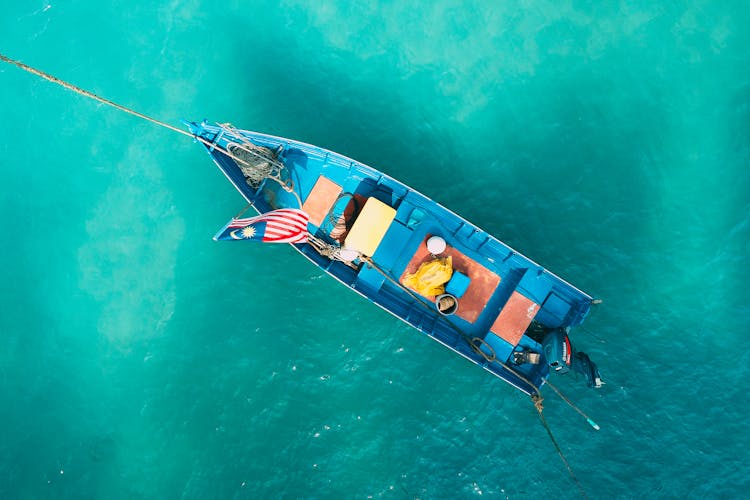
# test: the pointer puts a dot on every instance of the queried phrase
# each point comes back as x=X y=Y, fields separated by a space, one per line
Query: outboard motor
x=562 y=357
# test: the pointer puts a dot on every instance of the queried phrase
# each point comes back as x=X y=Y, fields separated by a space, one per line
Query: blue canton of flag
x=286 y=225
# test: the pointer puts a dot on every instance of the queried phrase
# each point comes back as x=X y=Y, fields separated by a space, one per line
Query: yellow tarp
x=431 y=277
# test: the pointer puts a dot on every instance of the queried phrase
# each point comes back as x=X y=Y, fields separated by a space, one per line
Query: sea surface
x=139 y=359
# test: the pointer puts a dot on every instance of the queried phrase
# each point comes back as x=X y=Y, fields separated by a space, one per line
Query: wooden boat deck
x=515 y=318
x=506 y=291
x=481 y=288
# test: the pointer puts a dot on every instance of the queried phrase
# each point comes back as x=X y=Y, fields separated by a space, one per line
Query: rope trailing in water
x=91 y=95
x=536 y=397
x=570 y=403
x=539 y=408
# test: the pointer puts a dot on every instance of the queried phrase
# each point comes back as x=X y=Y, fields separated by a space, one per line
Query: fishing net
x=256 y=162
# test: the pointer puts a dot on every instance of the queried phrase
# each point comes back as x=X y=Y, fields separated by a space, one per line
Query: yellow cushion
x=370 y=227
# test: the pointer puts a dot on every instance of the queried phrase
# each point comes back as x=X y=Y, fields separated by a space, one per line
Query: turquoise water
x=140 y=359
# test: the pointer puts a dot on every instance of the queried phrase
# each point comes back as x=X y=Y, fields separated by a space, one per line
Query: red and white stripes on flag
x=285 y=225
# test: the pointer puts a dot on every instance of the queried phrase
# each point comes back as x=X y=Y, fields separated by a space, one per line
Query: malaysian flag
x=286 y=225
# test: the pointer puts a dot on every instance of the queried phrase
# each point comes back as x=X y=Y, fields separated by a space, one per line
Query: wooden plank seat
x=514 y=318
x=319 y=202
x=370 y=227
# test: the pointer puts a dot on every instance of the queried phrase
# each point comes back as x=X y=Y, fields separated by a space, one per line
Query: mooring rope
x=91 y=95
x=572 y=405
x=536 y=397
x=539 y=408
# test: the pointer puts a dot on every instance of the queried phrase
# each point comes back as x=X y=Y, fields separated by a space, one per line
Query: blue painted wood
x=458 y=284
x=561 y=304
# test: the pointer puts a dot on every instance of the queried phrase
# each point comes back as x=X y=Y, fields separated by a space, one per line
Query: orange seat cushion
x=515 y=318
x=320 y=200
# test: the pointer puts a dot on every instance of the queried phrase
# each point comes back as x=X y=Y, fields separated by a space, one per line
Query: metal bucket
x=446 y=304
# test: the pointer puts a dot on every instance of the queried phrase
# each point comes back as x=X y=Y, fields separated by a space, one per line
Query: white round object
x=436 y=245
x=348 y=254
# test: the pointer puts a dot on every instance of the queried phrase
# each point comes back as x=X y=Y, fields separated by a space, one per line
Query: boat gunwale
x=410 y=189
x=580 y=300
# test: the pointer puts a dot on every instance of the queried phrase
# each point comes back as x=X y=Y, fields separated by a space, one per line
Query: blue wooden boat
x=401 y=250
x=372 y=233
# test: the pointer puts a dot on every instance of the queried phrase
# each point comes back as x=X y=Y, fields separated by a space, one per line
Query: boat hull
x=507 y=296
